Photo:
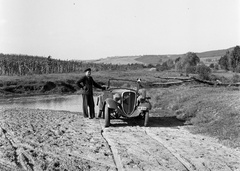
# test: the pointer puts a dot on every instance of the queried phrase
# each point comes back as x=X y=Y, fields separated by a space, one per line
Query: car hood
x=121 y=90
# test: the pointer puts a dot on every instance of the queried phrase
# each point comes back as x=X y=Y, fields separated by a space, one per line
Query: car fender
x=111 y=103
x=100 y=101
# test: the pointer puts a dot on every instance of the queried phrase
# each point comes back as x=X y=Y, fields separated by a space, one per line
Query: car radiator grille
x=129 y=99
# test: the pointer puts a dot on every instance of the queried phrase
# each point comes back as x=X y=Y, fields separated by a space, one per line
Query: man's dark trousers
x=88 y=102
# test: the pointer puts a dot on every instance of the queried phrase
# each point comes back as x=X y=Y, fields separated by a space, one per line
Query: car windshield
x=121 y=83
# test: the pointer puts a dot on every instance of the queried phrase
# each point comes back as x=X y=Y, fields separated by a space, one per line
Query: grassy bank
x=212 y=111
x=65 y=83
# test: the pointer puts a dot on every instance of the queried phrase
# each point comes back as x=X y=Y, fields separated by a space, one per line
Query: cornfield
x=24 y=65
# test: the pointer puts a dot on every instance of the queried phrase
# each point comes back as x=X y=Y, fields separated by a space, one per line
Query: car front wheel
x=107 y=116
x=146 y=119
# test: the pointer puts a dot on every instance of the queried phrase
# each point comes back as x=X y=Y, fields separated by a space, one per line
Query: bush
x=211 y=65
x=203 y=71
x=49 y=85
x=223 y=79
x=235 y=78
x=237 y=69
x=216 y=67
x=190 y=69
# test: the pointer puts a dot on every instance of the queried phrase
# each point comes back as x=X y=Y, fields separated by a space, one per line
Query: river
x=71 y=103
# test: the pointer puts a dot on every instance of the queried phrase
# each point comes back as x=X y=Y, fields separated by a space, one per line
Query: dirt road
x=59 y=140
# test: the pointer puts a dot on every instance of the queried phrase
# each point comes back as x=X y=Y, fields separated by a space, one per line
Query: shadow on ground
x=153 y=122
x=165 y=122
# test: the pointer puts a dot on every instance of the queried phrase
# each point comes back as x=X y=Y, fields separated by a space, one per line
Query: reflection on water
x=71 y=103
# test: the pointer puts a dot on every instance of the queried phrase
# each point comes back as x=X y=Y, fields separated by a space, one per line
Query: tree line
x=231 y=60
x=12 y=64
x=190 y=63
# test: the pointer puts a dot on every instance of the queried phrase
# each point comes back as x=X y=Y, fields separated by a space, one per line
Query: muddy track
x=51 y=140
x=167 y=148
x=59 y=140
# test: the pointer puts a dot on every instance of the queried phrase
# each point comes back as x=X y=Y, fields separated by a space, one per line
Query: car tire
x=107 y=116
x=146 y=119
x=103 y=110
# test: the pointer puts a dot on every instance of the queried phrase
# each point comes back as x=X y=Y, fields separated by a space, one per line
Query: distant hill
x=152 y=59
x=213 y=53
x=207 y=57
x=119 y=60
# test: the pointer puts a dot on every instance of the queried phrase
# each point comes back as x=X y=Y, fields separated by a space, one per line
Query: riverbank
x=213 y=111
x=66 y=83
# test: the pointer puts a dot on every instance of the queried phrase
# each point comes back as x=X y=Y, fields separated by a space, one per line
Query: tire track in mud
x=51 y=140
x=197 y=152
x=116 y=157
x=167 y=148
x=135 y=150
x=189 y=166
x=57 y=140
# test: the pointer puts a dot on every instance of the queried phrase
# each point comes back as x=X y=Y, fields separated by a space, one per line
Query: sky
x=93 y=29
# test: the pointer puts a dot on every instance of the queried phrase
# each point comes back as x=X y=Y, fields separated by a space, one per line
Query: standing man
x=87 y=83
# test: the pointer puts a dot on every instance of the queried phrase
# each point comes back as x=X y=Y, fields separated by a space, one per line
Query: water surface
x=71 y=103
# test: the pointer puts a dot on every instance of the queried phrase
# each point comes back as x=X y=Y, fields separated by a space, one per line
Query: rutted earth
x=59 y=140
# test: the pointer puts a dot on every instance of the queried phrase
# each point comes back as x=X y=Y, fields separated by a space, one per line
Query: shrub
x=237 y=69
x=203 y=71
x=223 y=79
x=49 y=85
x=190 y=69
x=211 y=65
x=216 y=67
x=235 y=78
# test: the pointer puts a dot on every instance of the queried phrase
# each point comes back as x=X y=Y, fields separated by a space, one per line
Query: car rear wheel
x=146 y=119
x=107 y=116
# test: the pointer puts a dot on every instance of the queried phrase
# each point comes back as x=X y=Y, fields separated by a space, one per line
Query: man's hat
x=88 y=69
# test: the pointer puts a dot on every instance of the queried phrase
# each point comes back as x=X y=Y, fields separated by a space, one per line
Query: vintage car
x=124 y=102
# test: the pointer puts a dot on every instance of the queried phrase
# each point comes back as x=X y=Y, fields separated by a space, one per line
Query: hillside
x=213 y=53
x=206 y=57
x=119 y=60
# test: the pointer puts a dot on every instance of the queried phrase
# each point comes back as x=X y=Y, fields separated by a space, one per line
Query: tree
x=237 y=69
x=235 y=57
x=224 y=62
x=178 y=59
x=203 y=71
x=231 y=60
x=216 y=66
x=187 y=62
x=179 y=67
x=211 y=65
x=150 y=66
x=162 y=67
x=191 y=58
x=190 y=69
x=170 y=63
x=160 y=61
